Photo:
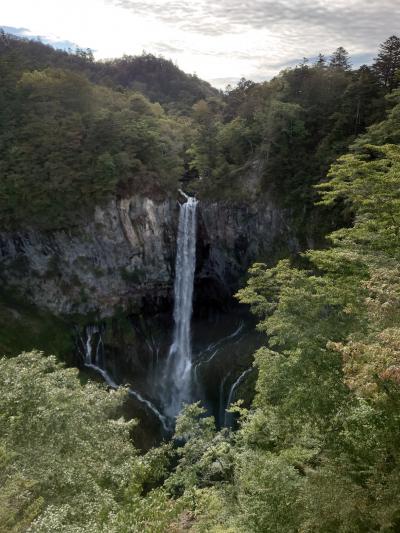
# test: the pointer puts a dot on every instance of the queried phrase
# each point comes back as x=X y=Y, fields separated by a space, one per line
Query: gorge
x=112 y=281
x=199 y=296
x=170 y=377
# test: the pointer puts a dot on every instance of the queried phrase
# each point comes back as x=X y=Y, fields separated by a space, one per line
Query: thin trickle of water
x=152 y=408
x=216 y=346
x=93 y=356
x=221 y=413
x=231 y=397
x=94 y=359
x=177 y=377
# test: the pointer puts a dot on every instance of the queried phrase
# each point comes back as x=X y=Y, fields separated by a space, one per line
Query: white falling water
x=93 y=357
x=231 y=397
x=178 y=372
x=221 y=414
x=215 y=347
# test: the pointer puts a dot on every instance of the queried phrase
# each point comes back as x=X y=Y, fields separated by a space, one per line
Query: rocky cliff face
x=232 y=236
x=124 y=255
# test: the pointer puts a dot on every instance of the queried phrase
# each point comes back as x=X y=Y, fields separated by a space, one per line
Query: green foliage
x=67 y=462
x=328 y=387
x=68 y=145
x=387 y=131
x=340 y=59
x=387 y=64
x=205 y=457
x=69 y=456
x=319 y=448
x=268 y=489
x=151 y=510
x=370 y=183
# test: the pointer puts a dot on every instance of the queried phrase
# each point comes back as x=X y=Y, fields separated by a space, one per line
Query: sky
x=221 y=41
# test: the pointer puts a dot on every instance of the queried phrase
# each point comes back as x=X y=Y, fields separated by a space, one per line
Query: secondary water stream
x=231 y=397
x=94 y=358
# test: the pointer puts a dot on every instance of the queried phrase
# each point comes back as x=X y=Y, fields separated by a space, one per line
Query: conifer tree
x=387 y=64
x=340 y=59
x=321 y=61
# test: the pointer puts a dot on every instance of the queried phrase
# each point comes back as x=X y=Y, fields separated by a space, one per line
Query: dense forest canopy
x=72 y=127
x=157 y=78
x=318 y=450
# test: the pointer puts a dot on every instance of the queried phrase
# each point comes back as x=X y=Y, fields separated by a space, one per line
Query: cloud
x=223 y=82
x=219 y=39
x=167 y=48
x=229 y=39
x=343 y=18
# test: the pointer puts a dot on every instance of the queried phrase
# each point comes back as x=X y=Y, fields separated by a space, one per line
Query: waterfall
x=152 y=408
x=93 y=357
x=239 y=381
x=177 y=377
x=215 y=347
x=221 y=414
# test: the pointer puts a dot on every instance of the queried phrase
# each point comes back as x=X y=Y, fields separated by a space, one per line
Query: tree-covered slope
x=294 y=126
x=67 y=144
x=155 y=77
x=158 y=78
x=319 y=449
x=67 y=461
x=74 y=131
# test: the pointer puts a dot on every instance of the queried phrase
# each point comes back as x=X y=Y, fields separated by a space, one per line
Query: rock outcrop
x=124 y=255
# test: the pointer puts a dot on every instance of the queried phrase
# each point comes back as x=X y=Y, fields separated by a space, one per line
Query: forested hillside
x=318 y=449
x=156 y=77
x=74 y=128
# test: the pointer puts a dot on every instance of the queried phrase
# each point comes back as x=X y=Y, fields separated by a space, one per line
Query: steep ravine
x=116 y=272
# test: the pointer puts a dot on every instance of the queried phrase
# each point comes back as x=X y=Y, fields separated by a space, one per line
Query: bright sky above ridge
x=220 y=41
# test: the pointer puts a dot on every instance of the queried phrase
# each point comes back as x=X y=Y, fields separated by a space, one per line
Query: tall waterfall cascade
x=180 y=376
x=177 y=375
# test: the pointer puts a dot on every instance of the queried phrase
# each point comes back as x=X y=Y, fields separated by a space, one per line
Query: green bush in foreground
x=66 y=457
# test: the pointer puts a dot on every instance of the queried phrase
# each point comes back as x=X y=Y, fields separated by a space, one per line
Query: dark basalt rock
x=124 y=257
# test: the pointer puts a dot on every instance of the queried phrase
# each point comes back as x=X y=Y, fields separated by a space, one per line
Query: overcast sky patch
x=220 y=41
